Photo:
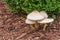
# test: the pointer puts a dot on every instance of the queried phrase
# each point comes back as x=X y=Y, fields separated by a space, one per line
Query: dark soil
x=13 y=27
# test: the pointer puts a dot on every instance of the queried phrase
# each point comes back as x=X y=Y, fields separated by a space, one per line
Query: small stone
x=19 y=22
x=36 y=38
x=58 y=39
x=5 y=16
x=59 y=23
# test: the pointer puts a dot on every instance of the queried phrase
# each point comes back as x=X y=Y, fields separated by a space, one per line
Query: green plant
x=50 y=6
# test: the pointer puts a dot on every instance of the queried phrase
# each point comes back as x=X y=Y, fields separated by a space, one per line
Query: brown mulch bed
x=13 y=27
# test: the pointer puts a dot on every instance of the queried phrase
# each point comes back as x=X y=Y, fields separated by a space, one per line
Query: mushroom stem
x=36 y=25
x=32 y=27
x=44 y=27
x=50 y=24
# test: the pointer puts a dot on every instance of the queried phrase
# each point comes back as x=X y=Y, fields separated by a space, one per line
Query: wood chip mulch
x=13 y=27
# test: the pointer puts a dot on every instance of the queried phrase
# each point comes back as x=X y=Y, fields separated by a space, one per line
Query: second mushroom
x=36 y=17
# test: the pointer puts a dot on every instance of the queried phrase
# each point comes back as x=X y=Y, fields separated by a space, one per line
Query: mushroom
x=35 y=16
x=45 y=21
x=30 y=22
x=44 y=14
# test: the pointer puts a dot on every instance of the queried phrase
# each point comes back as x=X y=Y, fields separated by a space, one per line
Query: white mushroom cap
x=43 y=13
x=29 y=21
x=35 y=15
x=49 y=20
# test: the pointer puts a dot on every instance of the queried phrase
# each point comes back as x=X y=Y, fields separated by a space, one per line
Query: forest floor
x=13 y=27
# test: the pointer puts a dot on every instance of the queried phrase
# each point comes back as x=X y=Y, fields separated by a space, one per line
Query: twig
x=24 y=34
